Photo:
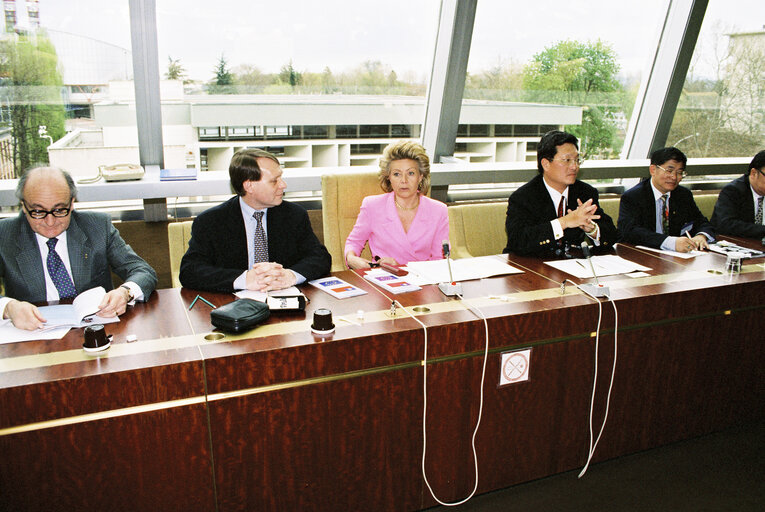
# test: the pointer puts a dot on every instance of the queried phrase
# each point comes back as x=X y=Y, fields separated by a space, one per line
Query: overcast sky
x=342 y=34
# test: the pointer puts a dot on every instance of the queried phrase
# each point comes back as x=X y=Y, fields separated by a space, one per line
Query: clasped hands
x=27 y=316
x=267 y=276
x=583 y=217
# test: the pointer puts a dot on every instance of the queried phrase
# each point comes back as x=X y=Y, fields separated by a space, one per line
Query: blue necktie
x=58 y=273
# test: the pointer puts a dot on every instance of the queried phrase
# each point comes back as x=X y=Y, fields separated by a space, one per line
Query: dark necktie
x=58 y=273
x=665 y=213
x=261 y=244
x=758 y=217
x=560 y=206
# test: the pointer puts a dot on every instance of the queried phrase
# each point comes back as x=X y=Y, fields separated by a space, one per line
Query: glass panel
x=55 y=68
x=721 y=111
x=580 y=63
x=334 y=68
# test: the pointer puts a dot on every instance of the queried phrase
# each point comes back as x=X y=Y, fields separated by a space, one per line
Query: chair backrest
x=706 y=203
x=482 y=228
x=342 y=194
x=610 y=205
x=178 y=236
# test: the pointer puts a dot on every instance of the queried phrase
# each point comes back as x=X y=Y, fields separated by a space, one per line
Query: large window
x=339 y=69
x=721 y=111
x=58 y=60
x=588 y=54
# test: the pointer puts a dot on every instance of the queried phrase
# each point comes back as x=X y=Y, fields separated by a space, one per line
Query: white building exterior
x=204 y=131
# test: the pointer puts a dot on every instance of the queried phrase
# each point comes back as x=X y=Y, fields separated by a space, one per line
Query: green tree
x=31 y=85
x=175 y=70
x=223 y=76
x=289 y=75
x=577 y=73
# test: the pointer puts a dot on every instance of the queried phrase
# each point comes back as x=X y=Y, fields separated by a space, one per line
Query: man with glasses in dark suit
x=556 y=211
x=661 y=214
x=740 y=205
x=51 y=252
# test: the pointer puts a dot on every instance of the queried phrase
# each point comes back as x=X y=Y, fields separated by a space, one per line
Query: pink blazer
x=379 y=224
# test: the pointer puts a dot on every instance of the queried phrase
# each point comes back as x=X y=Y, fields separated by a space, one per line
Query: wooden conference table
x=281 y=419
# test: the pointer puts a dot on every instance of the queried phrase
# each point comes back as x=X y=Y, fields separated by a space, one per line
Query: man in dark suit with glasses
x=51 y=252
x=661 y=214
x=556 y=211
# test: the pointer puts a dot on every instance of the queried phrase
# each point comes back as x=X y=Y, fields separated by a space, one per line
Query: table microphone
x=597 y=289
x=451 y=288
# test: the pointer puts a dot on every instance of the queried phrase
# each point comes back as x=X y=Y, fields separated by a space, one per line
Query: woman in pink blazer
x=403 y=224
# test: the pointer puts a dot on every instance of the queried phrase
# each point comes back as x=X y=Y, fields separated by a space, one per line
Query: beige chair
x=610 y=205
x=342 y=194
x=178 y=236
x=482 y=229
x=706 y=203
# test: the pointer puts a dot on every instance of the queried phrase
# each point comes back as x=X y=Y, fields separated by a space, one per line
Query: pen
x=691 y=239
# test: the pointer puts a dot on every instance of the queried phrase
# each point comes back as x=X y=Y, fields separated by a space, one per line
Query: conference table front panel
x=298 y=421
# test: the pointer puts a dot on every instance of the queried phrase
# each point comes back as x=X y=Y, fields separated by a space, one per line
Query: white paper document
x=684 y=255
x=606 y=265
x=464 y=269
x=80 y=313
x=60 y=318
x=12 y=334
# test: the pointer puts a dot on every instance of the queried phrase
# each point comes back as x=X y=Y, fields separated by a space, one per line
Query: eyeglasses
x=568 y=161
x=679 y=172
x=41 y=214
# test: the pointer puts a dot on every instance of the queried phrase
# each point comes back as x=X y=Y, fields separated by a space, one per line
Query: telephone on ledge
x=117 y=172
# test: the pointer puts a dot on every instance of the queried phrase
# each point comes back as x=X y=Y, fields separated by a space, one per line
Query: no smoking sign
x=514 y=367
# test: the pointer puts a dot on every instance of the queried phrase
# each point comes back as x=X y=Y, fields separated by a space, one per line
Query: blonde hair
x=405 y=150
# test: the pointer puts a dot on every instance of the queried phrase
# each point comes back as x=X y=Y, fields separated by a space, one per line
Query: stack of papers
x=724 y=247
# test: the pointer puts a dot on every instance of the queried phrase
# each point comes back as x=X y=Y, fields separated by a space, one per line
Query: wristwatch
x=130 y=292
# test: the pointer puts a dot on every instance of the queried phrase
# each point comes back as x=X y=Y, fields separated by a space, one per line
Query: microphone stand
x=597 y=289
x=451 y=288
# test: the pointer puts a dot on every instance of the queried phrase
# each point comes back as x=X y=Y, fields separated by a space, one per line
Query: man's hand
x=264 y=277
x=701 y=242
x=24 y=315
x=685 y=244
x=583 y=217
x=114 y=303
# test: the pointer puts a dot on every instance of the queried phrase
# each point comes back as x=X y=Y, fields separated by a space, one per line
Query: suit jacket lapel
x=650 y=203
x=28 y=259
x=80 y=249
x=550 y=210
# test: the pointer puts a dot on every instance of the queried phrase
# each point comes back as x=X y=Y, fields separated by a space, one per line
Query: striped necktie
x=665 y=213
x=58 y=273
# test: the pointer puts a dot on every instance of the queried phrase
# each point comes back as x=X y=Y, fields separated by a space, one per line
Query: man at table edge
x=255 y=240
x=739 y=207
x=50 y=238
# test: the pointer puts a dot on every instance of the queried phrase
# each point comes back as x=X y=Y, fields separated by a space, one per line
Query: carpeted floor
x=724 y=471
